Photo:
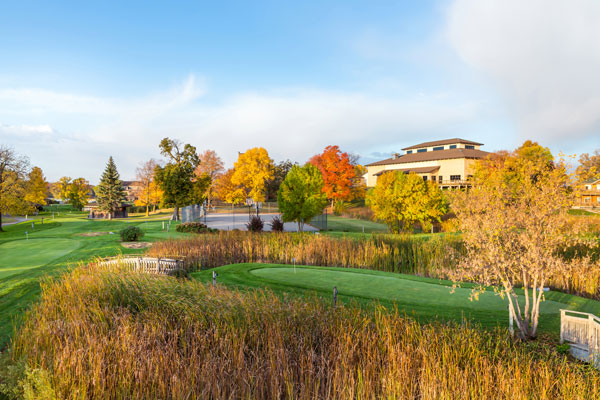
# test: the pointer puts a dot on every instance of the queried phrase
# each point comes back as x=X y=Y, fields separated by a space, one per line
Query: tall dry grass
x=403 y=254
x=107 y=333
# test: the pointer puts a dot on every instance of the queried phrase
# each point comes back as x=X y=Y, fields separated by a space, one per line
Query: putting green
x=392 y=288
x=19 y=255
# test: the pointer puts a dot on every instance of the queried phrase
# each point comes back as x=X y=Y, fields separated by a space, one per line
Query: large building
x=448 y=162
x=589 y=194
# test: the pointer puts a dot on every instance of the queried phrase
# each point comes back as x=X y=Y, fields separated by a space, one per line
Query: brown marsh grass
x=105 y=333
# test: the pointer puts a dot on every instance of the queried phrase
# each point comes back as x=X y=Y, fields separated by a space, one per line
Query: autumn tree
x=110 y=193
x=13 y=170
x=402 y=200
x=301 y=196
x=60 y=189
x=251 y=172
x=226 y=191
x=79 y=190
x=176 y=179
x=337 y=172
x=589 y=166
x=280 y=171
x=144 y=174
x=212 y=166
x=36 y=188
x=514 y=224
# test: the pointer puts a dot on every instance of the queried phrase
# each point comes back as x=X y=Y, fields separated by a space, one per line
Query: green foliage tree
x=402 y=200
x=176 y=179
x=13 y=169
x=110 y=193
x=37 y=188
x=78 y=193
x=301 y=196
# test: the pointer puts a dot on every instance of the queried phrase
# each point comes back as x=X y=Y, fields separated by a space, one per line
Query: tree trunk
x=176 y=213
x=300 y=226
x=147 y=209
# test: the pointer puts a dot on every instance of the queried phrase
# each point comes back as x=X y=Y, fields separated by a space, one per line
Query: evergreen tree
x=110 y=193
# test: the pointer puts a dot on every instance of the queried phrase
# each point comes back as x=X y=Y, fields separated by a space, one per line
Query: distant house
x=588 y=195
x=449 y=162
x=132 y=188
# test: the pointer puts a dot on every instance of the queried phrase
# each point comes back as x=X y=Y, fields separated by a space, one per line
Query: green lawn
x=55 y=247
x=343 y=224
x=426 y=299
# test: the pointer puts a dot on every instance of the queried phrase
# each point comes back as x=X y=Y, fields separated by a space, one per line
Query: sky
x=81 y=81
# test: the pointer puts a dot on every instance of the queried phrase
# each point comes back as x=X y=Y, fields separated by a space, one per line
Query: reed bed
x=104 y=332
x=430 y=257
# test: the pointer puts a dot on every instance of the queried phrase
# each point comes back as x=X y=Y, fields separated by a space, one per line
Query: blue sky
x=80 y=81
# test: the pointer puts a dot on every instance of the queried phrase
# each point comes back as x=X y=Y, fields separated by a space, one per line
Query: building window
x=452 y=146
x=422 y=151
x=408 y=151
x=587 y=199
x=455 y=177
x=438 y=148
x=440 y=179
x=470 y=147
x=425 y=178
x=433 y=178
x=598 y=199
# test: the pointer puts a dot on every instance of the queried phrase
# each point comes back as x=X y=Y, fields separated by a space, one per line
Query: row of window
x=589 y=199
x=452 y=146
x=440 y=178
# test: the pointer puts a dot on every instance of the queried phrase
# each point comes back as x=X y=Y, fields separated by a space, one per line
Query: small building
x=95 y=213
x=588 y=195
x=132 y=189
x=449 y=162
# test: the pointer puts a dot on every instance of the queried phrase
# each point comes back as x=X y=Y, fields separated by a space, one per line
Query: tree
x=13 y=169
x=280 y=171
x=251 y=172
x=60 y=189
x=589 y=166
x=337 y=173
x=144 y=174
x=37 y=188
x=227 y=191
x=514 y=226
x=212 y=166
x=110 y=193
x=79 y=190
x=402 y=200
x=300 y=196
x=176 y=179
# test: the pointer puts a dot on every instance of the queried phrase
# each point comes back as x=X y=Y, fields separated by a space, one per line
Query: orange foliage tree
x=338 y=173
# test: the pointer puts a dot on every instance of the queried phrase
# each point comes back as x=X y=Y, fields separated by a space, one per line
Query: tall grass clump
x=429 y=257
x=108 y=333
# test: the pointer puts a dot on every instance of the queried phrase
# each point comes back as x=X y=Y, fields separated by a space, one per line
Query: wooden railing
x=582 y=331
x=161 y=266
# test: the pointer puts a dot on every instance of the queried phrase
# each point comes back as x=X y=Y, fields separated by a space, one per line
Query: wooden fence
x=582 y=331
x=152 y=265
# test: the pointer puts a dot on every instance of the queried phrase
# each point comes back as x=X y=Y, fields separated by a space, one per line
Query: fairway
x=423 y=298
x=19 y=255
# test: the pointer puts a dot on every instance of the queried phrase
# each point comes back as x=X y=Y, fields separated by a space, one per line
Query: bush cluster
x=131 y=234
x=276 y=225
x=194 y=227
x=255 y=224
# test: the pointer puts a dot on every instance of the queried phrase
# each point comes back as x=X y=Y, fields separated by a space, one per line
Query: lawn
x=54 y=247
x=343 y=224
x=426 y=299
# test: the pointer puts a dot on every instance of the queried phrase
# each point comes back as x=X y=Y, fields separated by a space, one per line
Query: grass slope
x=426 y=299
x=343 y=224
x=55 y=247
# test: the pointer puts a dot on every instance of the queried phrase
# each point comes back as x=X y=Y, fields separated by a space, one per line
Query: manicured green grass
x=56 y=246
x=583 y=212
x=343 y=224
x=426 y=299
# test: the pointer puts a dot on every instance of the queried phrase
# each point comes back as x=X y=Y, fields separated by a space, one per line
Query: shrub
x=131 y=234
x=276 y=225
x=193 y=227
x=339 y=207
x=255 y=224
x=103 y=333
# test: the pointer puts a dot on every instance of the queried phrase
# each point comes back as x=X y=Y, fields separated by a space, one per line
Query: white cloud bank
x=78 y=133
x=544 y=57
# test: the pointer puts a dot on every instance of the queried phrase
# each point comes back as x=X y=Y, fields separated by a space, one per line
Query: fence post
x=214 y=275
x=335 y=293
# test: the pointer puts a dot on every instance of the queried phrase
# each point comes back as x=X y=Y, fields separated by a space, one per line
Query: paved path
x=239 y=221
x=18 y=219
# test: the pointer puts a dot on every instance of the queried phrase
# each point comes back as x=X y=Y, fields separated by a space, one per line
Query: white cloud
x=542 y=55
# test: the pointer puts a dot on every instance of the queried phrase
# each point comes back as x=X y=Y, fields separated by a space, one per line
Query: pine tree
x=110 y=192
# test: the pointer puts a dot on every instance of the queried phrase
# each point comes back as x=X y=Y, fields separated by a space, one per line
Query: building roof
x=420 y=170
x=441 y=142
x=130 y=183
x=592 y=181
x=432 y=156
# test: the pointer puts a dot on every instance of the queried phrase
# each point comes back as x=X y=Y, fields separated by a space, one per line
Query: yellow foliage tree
x=36 y=187
x=227 y=191
x=250 y=173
